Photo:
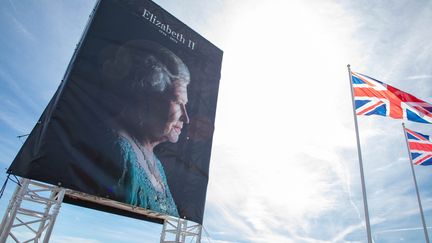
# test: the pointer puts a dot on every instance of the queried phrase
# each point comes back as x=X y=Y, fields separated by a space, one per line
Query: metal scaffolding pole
x=32 y=212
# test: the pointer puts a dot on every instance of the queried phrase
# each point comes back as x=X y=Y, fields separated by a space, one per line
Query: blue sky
x=284 y=163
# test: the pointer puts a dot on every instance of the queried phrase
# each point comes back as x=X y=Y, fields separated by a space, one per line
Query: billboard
x=133 y=119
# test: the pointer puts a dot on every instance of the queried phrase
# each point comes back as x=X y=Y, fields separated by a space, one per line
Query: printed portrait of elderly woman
x=151 y=90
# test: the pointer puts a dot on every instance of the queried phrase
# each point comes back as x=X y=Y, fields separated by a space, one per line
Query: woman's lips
x=178 y=129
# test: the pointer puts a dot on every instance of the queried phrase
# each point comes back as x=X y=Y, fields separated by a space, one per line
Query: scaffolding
x=177 y=230
x=34 y=206
x=32 y=212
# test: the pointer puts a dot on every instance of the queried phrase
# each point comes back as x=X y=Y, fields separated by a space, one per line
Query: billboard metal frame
x=33 y=209
x=90 y=199
x=178 y=230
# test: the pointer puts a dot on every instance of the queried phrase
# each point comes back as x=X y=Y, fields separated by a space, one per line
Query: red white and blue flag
x=373 y=97
x=420 y=147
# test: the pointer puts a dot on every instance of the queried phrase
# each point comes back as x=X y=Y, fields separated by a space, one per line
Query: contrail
x=398 y=230
x=424 y=76
x=13 y=6
x=348 y=186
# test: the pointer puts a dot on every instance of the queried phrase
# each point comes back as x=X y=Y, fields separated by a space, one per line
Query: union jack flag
x=420 y=147
x=373 y=97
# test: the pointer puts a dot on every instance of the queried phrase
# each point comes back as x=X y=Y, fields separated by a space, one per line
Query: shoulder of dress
x=126 y=150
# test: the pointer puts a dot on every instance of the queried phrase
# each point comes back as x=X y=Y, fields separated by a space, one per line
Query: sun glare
x=271 y=97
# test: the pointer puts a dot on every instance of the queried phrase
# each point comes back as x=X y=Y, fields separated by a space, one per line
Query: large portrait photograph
x=133 y=119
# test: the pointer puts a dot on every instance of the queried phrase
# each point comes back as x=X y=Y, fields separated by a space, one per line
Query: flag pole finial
x=348 y=65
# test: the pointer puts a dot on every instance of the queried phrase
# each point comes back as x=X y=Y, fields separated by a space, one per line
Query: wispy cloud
x=16 y=124
x=402 y=229
x=19 y=27
x=421 y=76
x=21 y=100
x=13 y=6
x=68 y=239
x=340 y=237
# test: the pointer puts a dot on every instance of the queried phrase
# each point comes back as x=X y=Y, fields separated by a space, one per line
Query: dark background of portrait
x=72 y=143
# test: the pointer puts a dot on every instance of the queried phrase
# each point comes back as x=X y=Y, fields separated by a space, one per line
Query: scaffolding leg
x=11 y=211
x=32 y=212
x=179 y=231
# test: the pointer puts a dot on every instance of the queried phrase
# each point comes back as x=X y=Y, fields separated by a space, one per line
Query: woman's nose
x=185 y=117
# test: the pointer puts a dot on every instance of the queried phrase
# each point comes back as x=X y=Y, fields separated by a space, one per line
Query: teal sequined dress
x=138 y=189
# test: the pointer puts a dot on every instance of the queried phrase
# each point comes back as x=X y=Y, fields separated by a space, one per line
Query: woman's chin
x=173 y=138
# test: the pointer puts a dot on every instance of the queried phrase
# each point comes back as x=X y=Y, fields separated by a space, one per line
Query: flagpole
x=416 y=187
x=365 y=204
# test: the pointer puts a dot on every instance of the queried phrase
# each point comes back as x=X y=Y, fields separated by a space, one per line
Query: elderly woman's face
x=177 y=114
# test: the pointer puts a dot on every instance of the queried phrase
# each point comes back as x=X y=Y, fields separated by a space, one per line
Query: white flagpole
x=365 y=204
x=416 y=187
